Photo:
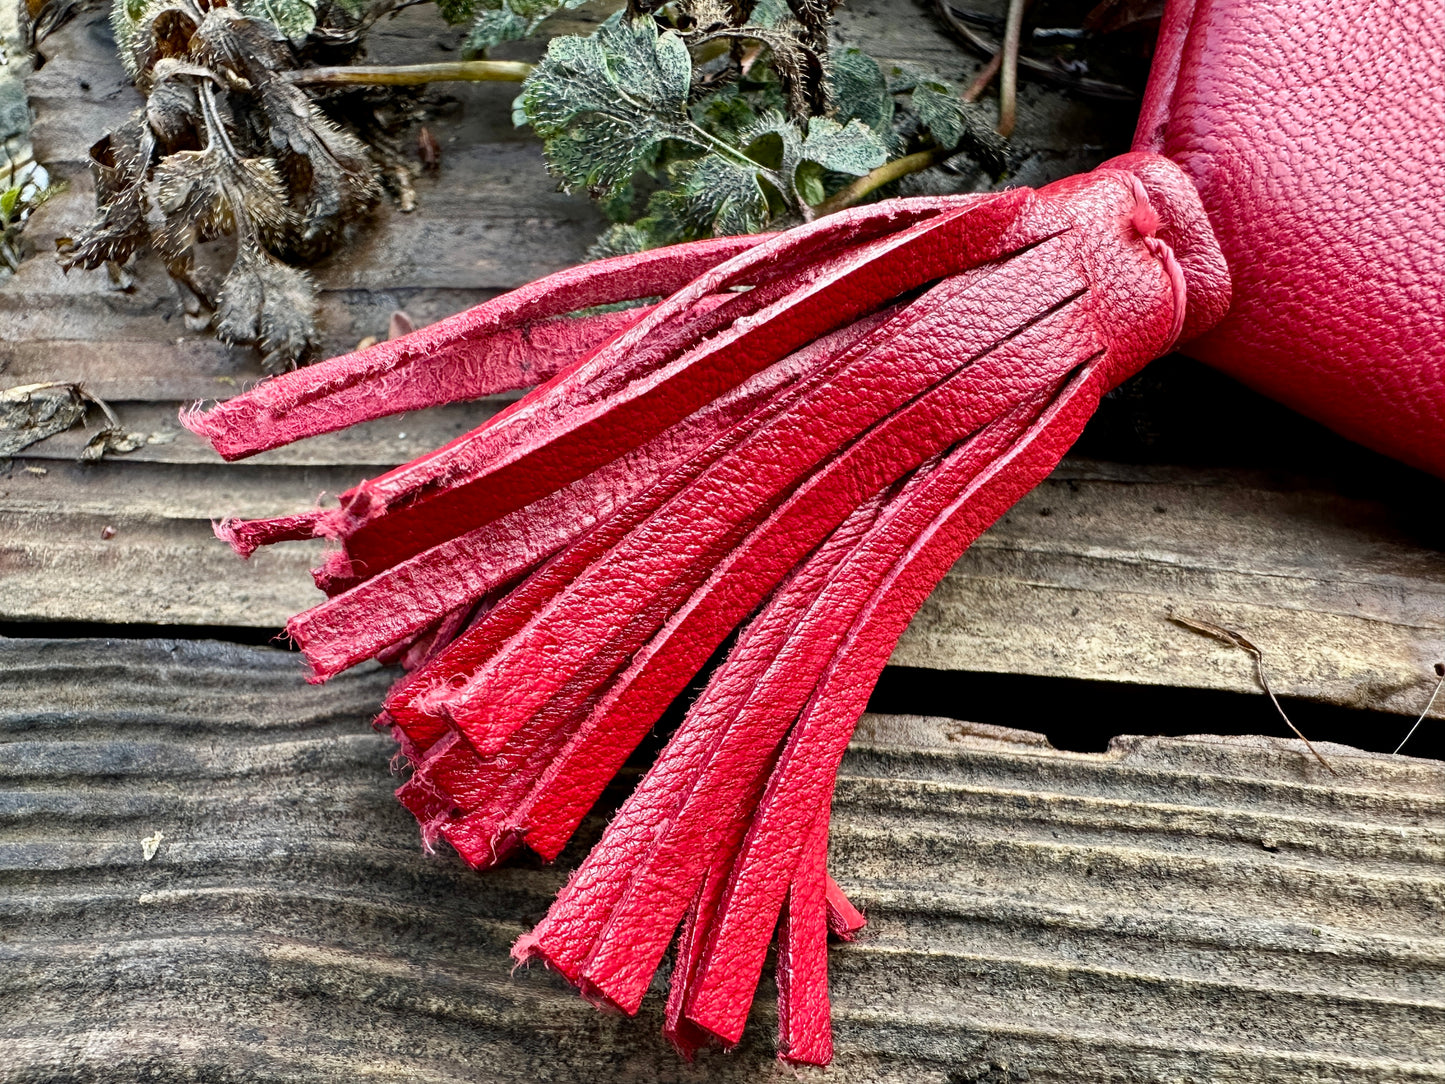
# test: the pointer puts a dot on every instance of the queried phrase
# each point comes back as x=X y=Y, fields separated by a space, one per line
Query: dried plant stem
x=983 y=79
x=1008 y=80
x=1440 y=672
x=1235 y=639
x=874 y=179
x=501 y=71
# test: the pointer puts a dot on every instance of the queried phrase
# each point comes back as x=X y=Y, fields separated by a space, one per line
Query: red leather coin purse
x=799 y=440
x=1314 y=133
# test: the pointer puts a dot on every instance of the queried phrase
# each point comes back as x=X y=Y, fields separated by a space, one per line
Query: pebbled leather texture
x=1315 y=134
x=799 y=441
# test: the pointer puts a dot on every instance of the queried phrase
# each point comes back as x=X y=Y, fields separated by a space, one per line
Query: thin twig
x=1440 y=672
x=874 y=179
x=1008 y=79
x=1235 y=639
x=983 y=79
x=1041 y=69
x=503 y=71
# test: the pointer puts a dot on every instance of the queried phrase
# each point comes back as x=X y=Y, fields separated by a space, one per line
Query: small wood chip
x=151 y=844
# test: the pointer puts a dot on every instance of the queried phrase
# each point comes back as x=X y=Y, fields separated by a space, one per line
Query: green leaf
x=726 y=113
x=941 y=111
x=771 y=13
x=537 y=10
x=851 y=148
x=774 y=142
x=495 y=27
x=500 y=20
x=294 y=18
x=9 y=200
x=620 y=239
x=457 y=11
x=809 y=181
x=954 y=123
x=720 y=196
x=602 y=104
x=616 y=204
x=861 y=91
x=125 y=19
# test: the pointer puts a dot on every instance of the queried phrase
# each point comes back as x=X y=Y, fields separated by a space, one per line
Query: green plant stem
x=874 y=179
x=501 y=71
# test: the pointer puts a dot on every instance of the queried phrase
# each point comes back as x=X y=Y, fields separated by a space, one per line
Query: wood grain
x=1077 y=581
x=1176 y=909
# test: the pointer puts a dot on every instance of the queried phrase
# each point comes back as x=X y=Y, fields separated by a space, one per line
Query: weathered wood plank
x=1077 y=581
x=1206 y=909
x=370 y=447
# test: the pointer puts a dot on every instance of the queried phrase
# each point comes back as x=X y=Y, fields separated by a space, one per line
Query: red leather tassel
x=1010 y=457
x=844 y=920
x=799 y=286
x=501 y=345
x=809 y=431
x=805 y=1028
x=358 y=623
x=688 y=812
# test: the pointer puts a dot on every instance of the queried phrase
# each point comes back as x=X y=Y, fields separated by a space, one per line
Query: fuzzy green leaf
x=602 y=104
x=771 y=13
x=957 y=124
x=809 y=183
x=851 y=148
x=494 y=27
x=501 y=20
x=861 y=91
x=726 y=113
x=620 y=239
x=719 y=196
x=774 y=142
x=457 y=11
x=126 y=17
x=941 y=111
x=294 y=18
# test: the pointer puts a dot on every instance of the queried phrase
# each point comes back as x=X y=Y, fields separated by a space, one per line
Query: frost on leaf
x=603 y=104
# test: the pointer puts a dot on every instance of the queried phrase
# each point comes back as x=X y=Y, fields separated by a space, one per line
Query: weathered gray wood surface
x=1076 y=582
x=1177 y=909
